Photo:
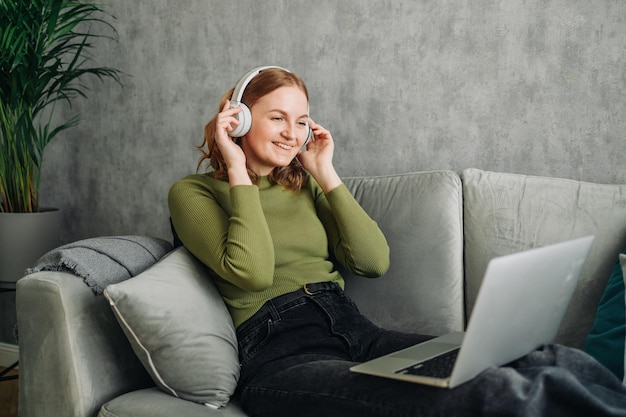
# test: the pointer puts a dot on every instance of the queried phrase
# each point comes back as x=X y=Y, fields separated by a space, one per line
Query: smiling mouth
x=283 y=146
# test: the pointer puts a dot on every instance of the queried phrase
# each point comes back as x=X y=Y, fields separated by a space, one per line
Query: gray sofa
x=442 y=228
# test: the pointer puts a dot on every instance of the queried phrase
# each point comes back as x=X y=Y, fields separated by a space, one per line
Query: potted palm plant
x=44 y=57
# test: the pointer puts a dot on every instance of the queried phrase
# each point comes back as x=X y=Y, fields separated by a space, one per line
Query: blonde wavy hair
x=292 y=176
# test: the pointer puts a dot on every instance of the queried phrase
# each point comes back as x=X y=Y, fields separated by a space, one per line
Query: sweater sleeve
x=354 y=238
x=237 y=246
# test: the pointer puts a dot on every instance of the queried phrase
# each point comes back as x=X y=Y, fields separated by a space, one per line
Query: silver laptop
x=519 y=307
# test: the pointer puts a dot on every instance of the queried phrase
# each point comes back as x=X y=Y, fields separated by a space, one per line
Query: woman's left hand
x=318 y=158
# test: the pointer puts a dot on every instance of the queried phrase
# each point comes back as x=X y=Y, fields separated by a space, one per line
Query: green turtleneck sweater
x=264 y=241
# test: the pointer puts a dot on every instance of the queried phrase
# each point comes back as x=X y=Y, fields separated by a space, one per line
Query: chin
x=283 y=163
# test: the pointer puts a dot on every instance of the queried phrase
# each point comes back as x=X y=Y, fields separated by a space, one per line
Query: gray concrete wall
x=528 y=86
x=535 y=87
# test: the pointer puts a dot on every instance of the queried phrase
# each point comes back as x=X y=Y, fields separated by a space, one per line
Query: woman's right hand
x=233 y=155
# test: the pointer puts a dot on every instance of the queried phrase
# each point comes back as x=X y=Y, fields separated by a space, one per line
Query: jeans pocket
x=254 y=340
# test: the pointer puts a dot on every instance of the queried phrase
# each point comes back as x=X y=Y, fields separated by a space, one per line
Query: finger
x=319 y=132
x=227 y=119
x=227 y=110
x=317 y=127
x=229 y=124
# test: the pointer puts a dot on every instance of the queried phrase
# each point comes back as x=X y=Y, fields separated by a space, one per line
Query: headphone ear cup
x=309 y=136
x=245 y=121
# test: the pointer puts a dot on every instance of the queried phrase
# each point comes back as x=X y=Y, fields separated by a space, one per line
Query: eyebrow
x=285 y=113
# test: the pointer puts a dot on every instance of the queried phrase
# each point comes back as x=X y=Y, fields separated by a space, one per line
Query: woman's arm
x=354 y=238
x=235 y=245
x=221 y=223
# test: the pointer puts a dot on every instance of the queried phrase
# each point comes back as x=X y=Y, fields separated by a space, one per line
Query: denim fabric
x=296 y=357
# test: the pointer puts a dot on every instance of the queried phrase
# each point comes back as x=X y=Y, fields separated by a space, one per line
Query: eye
x=277 y=118
x=302 y=123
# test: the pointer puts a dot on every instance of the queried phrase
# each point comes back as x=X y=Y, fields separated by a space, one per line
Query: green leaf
x=44 y=58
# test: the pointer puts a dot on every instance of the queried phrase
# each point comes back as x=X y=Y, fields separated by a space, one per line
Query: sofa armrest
x=73 y=355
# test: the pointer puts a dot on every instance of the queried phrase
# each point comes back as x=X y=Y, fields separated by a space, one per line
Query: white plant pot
x=24 y=238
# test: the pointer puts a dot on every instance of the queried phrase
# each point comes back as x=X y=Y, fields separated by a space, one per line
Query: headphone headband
x=245 y=80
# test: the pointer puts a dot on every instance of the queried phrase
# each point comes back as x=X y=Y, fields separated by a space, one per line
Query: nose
x=291 y=131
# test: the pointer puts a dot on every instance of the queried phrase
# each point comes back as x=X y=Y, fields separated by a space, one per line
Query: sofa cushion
x=153 y=402
x=421 y=216
x=506 y=213
x=605 y=340
x=180 y=329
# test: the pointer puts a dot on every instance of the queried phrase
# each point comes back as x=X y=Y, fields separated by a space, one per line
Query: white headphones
x=245 y=116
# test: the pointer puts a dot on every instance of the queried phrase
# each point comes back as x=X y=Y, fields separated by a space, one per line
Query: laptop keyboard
x=437 y=367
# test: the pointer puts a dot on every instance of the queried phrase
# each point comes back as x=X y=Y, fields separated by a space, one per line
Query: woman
x=271 y=221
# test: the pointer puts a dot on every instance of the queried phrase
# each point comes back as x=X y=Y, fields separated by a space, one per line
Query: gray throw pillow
x=179 y=327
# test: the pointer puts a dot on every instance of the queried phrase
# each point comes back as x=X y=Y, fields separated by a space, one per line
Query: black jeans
x=296 y=357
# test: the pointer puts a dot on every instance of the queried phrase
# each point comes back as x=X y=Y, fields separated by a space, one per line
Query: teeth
x=283 y=146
